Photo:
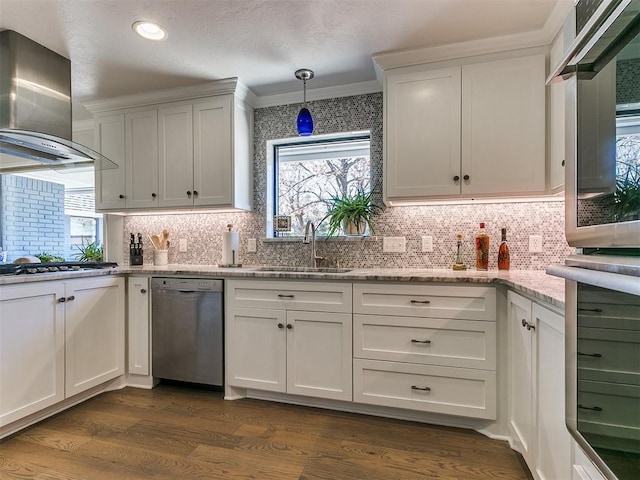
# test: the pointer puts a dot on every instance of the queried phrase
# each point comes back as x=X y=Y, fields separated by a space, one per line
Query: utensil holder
x=160 y=257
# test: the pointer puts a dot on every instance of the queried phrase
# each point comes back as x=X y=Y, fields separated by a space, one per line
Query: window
x=307 y=174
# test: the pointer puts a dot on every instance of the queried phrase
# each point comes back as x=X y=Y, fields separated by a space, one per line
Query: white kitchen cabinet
x=422 y=133
x=186 y=148
x=109 y=139
x=138 y=325
x=277 y=341
x=499 y=148
x=556 y=120
x=536 y=406
x=141 y=141
x=31 y=349
x=94 y=328
x=426 y=347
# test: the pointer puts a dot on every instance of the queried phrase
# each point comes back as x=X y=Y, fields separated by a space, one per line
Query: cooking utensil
x=165 y=238
x=155 y=241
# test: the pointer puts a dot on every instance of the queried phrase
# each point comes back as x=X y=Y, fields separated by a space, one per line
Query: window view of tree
x=309 y=175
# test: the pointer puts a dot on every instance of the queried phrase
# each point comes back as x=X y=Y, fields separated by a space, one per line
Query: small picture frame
x=281 y=223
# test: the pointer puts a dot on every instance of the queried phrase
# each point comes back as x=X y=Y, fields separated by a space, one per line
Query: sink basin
x=303 y=269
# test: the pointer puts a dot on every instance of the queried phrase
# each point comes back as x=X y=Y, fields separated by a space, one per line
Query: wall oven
x=603 y=128
x=602 y=201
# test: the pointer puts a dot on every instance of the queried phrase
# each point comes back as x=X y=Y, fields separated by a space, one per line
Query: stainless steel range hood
x=35 y=110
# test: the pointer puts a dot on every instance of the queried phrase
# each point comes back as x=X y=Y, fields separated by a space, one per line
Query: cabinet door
x=31 y=349
x=94 y=332
x=142 y=159
x=176 y=156
x=138 y=325
x=109 y=140
x=213 y=152
x=422 y=134
x=319 y=354
x=256 y=349
x=553 y=443
x=556 y=121
x=503 y=126
x=522 y=376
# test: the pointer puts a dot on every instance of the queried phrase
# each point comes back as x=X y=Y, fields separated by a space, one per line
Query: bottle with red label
x=482 y=249
x=504 y=261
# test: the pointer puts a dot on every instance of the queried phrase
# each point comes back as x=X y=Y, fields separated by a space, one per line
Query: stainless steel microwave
x=602 y=130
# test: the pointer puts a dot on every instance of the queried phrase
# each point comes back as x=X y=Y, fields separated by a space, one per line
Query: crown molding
x=519 y=41
x=192 y=92
x=362 y=88
x=78 y=125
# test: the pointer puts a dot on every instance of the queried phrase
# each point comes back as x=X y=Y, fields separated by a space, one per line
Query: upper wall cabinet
x=473 y=130
x=180 y=148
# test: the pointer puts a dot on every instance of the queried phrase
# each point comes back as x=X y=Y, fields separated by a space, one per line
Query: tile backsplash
x=203 y=231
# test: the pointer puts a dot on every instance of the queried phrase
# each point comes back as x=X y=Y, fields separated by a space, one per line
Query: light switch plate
x=535 y=243
x=252 y=246
x=394 y=244
x=427 y=243
x=183 y=245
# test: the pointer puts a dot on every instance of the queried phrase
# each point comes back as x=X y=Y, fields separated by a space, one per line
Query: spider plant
x=352 y=213
x=91 y=252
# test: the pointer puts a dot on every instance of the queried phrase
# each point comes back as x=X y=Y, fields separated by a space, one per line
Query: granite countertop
x=535 y=283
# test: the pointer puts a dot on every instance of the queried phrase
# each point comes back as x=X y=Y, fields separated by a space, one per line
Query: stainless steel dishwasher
x=187 y=330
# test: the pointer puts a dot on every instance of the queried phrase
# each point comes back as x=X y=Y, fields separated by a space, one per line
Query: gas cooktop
x=32 y=268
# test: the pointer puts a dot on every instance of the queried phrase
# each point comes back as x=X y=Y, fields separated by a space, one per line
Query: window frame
x=272 y=168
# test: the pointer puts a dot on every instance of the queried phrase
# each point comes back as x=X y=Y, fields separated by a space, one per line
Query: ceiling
x=260 y=41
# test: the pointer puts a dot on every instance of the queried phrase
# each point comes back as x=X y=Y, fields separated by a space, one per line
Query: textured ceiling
x=260 y=41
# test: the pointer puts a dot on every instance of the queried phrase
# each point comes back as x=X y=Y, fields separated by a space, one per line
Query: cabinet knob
x=456 y=178
x=280 y=325
x=188 y=193
x=142 y=290
x=71 y=298
x=289 y=326
x=527 y=325
x=62 y=300
x=195 y=193
x=120 y=196
x=466 y=177
x=563 y=163
x=153 y=195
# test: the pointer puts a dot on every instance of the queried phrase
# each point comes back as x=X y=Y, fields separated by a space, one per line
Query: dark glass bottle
x=504 y=261
x=482 y=249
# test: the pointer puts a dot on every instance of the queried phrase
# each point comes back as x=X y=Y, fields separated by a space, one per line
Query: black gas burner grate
x=32 y=268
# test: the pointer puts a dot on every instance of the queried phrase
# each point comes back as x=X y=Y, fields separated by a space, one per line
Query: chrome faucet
x=314 y=257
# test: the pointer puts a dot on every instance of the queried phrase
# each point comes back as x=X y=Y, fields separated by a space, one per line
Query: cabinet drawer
x=454 y=343
x=612 y=353
x=472 y=303
x=300 y=295
x=453 y=391
x=609 y=409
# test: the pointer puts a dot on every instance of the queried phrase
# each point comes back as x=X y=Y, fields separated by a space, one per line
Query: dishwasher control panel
x=187 y=284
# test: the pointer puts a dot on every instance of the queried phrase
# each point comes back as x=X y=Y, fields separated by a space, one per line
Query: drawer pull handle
x=594 y=409
x=595 y=310
x=594 y=355
x=423 y=302
x=426 y=342
x=284 y=296
x=422 y=389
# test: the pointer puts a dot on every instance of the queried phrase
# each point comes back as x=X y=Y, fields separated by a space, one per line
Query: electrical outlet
x=535 y=243
x=394 y=244
x=252 y=246
x=183 y=245
x=427 y=243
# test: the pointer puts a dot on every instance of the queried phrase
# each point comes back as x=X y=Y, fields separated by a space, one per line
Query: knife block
x=135 y=259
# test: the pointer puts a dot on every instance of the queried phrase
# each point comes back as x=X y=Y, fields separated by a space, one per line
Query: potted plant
x=625 y=201
x=352 y=213
x=92 y=252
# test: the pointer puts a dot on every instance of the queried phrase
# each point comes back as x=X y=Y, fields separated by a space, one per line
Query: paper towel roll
x=230 y=243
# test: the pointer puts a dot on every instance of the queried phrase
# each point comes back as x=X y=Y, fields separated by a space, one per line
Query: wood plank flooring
x=173 y=433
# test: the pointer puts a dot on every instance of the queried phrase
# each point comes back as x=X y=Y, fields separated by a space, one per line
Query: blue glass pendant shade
x=305 y=122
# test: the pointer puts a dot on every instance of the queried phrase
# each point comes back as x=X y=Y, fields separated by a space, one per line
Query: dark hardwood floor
x=173 y=433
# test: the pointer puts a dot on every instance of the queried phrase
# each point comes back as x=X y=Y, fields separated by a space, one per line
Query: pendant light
x=305 y=122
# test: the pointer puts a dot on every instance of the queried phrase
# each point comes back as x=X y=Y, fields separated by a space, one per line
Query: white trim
x=559 y=197
x=363 y=88
x=79 y=125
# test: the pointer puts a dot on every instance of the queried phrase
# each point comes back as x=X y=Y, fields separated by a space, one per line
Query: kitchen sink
x=283 y=268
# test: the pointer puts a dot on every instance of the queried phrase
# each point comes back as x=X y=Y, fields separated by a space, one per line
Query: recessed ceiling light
x=149 y=30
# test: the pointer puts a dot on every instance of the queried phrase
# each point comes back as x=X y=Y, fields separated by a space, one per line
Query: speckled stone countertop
x=535 y=283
